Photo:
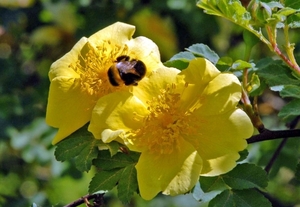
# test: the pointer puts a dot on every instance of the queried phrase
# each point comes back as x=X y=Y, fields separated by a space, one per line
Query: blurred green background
x=33 y=34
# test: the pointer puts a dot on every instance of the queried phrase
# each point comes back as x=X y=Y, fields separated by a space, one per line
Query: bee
x=126 y=71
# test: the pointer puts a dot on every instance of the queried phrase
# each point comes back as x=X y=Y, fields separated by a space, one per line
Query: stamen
x=165 y=123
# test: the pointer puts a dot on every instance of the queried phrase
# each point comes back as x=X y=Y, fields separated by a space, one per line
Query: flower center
x=92 y=66
x=165 y=124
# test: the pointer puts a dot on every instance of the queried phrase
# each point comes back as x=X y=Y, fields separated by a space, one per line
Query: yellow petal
x=159 y=172
x=112 y=33
x=220 y=165
x=197 y=75
x=109 y=135
x=116 y=111
x=70 y=105
x=221 y=94
x=120 y=34
x=221 y=136
x=200 y=71
x=186 y=179
x=67 y=109
x=61 y=67
x=151 y=86
x=147 y=51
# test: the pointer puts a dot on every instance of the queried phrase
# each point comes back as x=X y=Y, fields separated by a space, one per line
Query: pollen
x=92 y=66
x=165 y=123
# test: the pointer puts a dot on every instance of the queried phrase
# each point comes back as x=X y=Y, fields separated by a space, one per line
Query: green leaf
x=290 y=110
x=119 y=170
x=224 y=64
x=240 y=65
x=274 y=73
x=105 y=180
x=245 y=176
x=113 y=147
x=243 y=155
x=292 y=3
x=180 y=60
x=127 y=184
x=290 y=91
x=201 y=50
x=240 y=198
x=80 y=146
x=230 y=9
x=107 y=162
x=297 y=173
x=225 y=61
x=212 y=183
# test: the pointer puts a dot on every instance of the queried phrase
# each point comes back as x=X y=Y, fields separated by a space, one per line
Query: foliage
x=256 y=40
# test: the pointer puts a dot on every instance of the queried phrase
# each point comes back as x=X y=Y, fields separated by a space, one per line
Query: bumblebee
x=126 y=71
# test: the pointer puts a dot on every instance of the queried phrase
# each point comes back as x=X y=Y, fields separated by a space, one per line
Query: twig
x=275 y=155
x=271 y=135
x=97 y=202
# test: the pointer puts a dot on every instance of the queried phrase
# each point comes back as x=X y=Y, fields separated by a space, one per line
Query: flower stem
x=252 y=112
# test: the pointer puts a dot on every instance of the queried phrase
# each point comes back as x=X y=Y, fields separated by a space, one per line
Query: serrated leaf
x=212 y=183
x=290 y=110
x=128 y=184
x=231 y=9
x=107 y=162
x=240 y=65
x=245 y=176
x=276 y=74
x=290 y=91
x=240 y=198
x=80 y=146
x=297 y=173
x=105 y=180
x=201 y=50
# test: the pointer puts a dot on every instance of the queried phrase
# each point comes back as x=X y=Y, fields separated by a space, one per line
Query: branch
x=271 y=135
x=97 y=202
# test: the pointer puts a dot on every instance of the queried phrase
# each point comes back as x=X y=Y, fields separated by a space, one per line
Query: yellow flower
x=79 y=78
x=185 y=124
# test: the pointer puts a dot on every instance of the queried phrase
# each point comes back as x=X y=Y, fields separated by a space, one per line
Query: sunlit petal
x=80 y=77
x=157 y=172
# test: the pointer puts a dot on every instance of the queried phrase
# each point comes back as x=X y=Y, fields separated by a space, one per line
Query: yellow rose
x=185 y=124
x=79 y=78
